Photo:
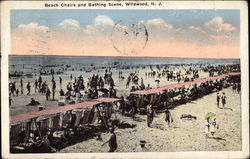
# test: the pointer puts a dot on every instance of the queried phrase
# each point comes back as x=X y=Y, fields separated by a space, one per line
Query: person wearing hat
x=142 y=147
x=112 y=141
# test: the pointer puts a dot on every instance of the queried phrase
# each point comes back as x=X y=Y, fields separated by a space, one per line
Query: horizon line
x=127 y=56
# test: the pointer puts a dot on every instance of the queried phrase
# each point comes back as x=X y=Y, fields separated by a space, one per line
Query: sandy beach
x=183 y=135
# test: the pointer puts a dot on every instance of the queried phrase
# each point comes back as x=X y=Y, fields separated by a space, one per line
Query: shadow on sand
x=226 y=108
x=217 y=138
x=124 y=125
x=138 y=119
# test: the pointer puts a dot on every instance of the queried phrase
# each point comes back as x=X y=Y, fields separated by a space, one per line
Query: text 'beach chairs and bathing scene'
x=172 y=82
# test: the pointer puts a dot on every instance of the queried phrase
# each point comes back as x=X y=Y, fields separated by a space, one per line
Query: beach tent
x=30 y=115
x=33 y=115
x=178 y=85
x=107 y=100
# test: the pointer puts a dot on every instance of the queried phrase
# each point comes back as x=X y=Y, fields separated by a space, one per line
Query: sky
x=170 y=33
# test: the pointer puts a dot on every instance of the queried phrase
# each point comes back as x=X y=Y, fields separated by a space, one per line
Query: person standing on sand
x=36 y=84
x=53 y=90
x=133 y=112
x=21 y=84
x=40 y=83
x=223 y=99
x=168 y=117
x=218 y=100
x=150 y=115
x=53 y=79
x=123 y=105
x=112 y=141
x=238 y=88
x=17 y=92
x=10 y=100
x=44 y=85
x=53 y=94
x=28 y=88
x=47 y=94
x=211 y=126
x=60 y=81
x=12 y=89
x=214 y=126
x=234 y=87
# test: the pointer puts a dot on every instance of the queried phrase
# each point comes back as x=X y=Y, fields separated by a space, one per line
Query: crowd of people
x=75 y=91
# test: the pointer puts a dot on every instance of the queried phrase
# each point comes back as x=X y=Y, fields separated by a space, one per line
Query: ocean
x=106 y=61
x=30 y=66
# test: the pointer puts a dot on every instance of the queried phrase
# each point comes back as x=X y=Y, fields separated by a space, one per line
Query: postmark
x=129 y=39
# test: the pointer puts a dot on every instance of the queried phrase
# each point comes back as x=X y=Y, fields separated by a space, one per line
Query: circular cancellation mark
x=129 y=39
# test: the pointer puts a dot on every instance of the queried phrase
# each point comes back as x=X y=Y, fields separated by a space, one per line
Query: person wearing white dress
x=210 y=127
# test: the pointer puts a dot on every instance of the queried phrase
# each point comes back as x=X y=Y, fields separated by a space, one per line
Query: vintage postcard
x=124 y=79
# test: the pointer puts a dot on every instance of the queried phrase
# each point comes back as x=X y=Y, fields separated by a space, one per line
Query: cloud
x=30 y=38
x=103 y=22
x=33 y=26
x=70 y=24
x=89 y=29
x=217 y=25
x=197 y=29
x=158 y=24
x=160 y=30
x=101 y=26
x=213 y=32
x=95 y=39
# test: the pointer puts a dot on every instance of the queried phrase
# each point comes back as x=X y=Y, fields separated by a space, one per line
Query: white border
x=5 y=51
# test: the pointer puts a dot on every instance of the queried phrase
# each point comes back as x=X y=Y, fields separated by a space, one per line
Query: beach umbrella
x=210 y=115
x=157 y=81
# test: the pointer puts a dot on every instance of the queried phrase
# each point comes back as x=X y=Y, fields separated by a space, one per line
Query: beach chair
x=14 y=130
